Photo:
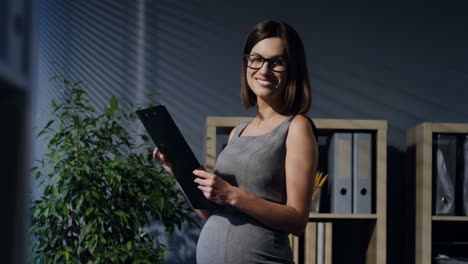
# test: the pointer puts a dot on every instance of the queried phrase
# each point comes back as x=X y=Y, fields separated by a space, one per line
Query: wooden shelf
x=314 y=216
x=376 y=249
x=449 y=218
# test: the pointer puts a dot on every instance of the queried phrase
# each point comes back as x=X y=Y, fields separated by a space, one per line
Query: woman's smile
x=265 y=82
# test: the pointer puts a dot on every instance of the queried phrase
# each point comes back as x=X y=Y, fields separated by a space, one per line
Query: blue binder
x=339 y=173
x=362 y=173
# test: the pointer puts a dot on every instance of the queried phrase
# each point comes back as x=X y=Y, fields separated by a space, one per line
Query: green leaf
x=114 y=103
x=120 y=213
x=86 y=229
x=36 y=213
x=53 y=78
x=140 y=174
x=95 y=194
x=42 y=132
x=48 y=124
x=161 y=203
x=89 y=210
x=108 y=112
x=54 y=105
x=38 y=175
x=58 y=255
x=80 y=201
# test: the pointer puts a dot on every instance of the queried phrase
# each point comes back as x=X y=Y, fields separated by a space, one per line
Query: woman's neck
x=266 y=111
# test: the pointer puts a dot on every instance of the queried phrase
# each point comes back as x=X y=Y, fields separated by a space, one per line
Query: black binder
x=464 y=181
x=167 y=137
x=445 y=157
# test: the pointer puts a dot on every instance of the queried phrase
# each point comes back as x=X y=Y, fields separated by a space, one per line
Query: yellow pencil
x=318 y=176
x=322 y=181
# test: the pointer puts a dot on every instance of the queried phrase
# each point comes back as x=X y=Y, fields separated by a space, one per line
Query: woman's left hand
x=214 y=188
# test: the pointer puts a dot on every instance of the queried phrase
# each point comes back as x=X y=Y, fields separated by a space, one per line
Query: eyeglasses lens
x=276 y=64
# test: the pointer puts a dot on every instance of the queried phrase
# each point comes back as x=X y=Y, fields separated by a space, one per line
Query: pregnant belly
x=235 y=237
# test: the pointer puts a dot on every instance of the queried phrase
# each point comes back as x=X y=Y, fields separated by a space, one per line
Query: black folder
x=445 y=157
x=169 y=140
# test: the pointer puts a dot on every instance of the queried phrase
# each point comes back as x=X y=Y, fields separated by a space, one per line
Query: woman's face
x=267 y=82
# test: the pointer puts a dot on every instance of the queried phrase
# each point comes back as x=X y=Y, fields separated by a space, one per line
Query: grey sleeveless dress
x=256 y=165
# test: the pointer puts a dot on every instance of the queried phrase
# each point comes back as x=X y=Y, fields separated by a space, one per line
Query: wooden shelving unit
x=419 y=141
x=376 y=248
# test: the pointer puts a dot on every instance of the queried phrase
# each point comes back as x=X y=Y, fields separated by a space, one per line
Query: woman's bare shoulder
x=300 y=125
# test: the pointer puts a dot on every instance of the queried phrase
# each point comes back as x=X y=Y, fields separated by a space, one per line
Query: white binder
x=320 y=243
x=362 y=173
x=339 y=173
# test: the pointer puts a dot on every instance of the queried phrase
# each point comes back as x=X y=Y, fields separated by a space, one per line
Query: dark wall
x=15 y=127
x=405 y=65
x=13 y=106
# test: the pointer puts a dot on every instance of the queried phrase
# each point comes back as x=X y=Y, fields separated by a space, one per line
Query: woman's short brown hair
x=297 y=96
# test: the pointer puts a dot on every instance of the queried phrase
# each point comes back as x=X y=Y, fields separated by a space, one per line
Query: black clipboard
x=168 y=138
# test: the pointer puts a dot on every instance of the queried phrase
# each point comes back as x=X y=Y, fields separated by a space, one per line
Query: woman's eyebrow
x=282 y=56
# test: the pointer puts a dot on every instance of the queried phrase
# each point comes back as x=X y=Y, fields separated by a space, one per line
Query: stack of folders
x=450 y=159
x=350 y=173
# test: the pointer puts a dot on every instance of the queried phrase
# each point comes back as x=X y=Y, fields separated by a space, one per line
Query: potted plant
x=100 y=187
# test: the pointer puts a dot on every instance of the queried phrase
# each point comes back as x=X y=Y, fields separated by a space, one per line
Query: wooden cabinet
x=339 y=230
x=419 y=141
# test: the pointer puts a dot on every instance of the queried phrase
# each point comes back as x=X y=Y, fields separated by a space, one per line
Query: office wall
x=15 y=44
x=402 y=65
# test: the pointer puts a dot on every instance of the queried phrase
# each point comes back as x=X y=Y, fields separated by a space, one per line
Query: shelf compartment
x=429 y=227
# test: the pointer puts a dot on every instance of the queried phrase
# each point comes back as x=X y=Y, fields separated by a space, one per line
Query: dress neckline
x=239 y=135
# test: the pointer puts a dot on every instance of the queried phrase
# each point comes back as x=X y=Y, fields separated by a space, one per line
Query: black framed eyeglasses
x=275 y=64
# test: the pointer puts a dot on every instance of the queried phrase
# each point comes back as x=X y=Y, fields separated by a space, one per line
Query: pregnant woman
x=263 y=178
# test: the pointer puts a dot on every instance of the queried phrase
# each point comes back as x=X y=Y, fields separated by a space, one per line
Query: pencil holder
x=316 y=194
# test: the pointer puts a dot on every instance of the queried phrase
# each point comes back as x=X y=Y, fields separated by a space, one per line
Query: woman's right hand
x=161 y=159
